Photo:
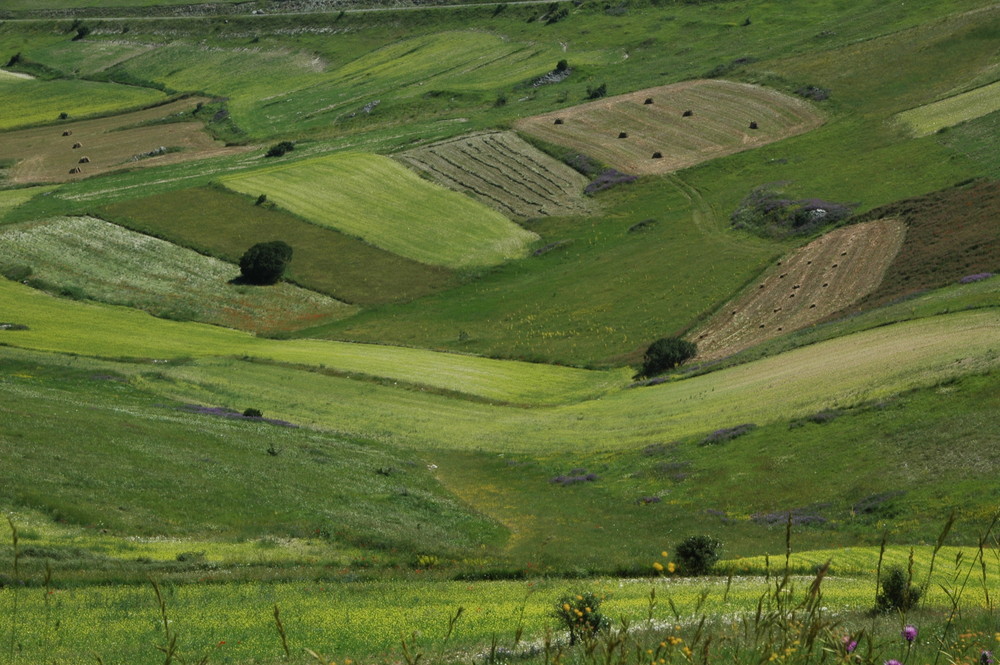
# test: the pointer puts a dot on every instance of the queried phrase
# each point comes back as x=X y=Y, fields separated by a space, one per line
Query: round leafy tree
x=697 y=554
x=666 y=353
x=265 y=262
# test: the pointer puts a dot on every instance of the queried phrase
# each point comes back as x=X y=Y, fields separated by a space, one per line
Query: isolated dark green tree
x=898 y=594
x=666 y=353
x=279 y=149
x=697 y=554
x=265 y=262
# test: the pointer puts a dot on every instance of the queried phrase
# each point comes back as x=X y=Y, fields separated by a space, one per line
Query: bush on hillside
x=765 y=212
x=265 y=262
x=598 y=92
x=279 y=149
x=697 y=554
x=666 y=353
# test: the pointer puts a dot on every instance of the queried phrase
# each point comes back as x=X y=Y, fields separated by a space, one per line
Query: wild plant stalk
x=281 y=632
x=17 y=583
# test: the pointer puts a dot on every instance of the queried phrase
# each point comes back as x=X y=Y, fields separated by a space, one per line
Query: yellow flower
x=579 y=597
x=658 y=566
x=671 y=567
x=566 y=607
x=687 y=651
x=587 y=609
x=663 y=554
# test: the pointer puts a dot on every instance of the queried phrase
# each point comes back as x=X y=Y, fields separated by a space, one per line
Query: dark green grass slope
x=89 y=449
x=226 y=225
x=898 y=466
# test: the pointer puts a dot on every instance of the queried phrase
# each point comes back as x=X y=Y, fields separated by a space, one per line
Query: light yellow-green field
x=386 y=204
x=29 y=102
x=970 y=105
x=11 y=198
x=404 y=407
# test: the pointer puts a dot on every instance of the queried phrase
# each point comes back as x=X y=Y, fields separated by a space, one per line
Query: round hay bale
x=753 y=124
x=77 y=145
x=649 y=100
x=68 y=132
x=657 y=155
x=687 y=114
x=84 y=160
x=75 y=169
x=558 y=121
x=623 y=135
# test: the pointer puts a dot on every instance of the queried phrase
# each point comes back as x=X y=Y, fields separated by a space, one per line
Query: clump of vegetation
x=727 y=434
x=580 y=614
x=697 y=554
x=252 y=413
x=608 y=179
x=265 y=262
x=898 y=594
x=280 y=149
x=815 y=93
x=666 y=353
x=765 y=212
x=598 y=92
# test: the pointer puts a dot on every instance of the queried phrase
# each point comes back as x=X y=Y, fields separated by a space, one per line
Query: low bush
x=280 y=149
x=697 y=554
x=666 y=353
x=581 y=615
x=765 y=212
x=898 y=594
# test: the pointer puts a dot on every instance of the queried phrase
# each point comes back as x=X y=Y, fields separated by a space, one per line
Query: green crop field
x=105 y=262
x=383 y=203
x=953 y=110
x=325 y=260
x=29 y=102
x=428 y=443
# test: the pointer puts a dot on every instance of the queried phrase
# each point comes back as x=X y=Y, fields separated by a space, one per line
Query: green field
x=953 y=110
x=325 y=260
x=101 y=261
x=371 y=467
x=30 y=102
x=380 y=201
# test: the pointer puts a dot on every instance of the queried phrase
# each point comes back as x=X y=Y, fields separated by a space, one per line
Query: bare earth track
x=504 y=172
x=721 y=113
x=47 y=154
x=813 y=282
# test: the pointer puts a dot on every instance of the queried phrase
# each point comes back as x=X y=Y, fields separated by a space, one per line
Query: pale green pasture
x=116 y=332
x=85 y=57
x=386 y=204
x=28 y=102
x=234 y=622
x=11 y=198
x=112 y=264
x=970 y=105
x=864 y=366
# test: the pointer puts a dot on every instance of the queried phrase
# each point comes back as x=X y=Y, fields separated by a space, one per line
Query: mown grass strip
x=384 y=203
x=970 y=105
x=29 y=102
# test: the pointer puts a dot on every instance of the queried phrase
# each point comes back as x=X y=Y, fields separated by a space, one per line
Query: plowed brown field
x=809 y=284
x=46 y=155
x=719 y=124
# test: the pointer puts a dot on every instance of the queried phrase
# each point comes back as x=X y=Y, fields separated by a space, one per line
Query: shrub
x=580 y=614
x=666 y=353
x=252 y=413
x=598 y=92
x=265 y=262
x=897 y=595
x=279 y=149
x=697 y=554
x=562 y=66
x=765 y=212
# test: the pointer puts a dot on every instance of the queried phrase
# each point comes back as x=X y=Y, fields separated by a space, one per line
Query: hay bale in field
x=649 y=100
x=68 y=132
x=75 y=170
x=558 y=121
x=623 y=135
x=77 y=145
x=753 y=124
x=687 y=114
x=84 y=160
x=657 y=155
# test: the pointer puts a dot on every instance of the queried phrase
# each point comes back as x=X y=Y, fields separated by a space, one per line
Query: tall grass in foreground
x=776 y=617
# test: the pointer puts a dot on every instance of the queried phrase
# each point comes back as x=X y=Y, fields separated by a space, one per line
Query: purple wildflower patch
x=799 y=517
x=581 y=476
x=608 y=179
x=978 y=277
x=222 y=412
x=727 y=434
